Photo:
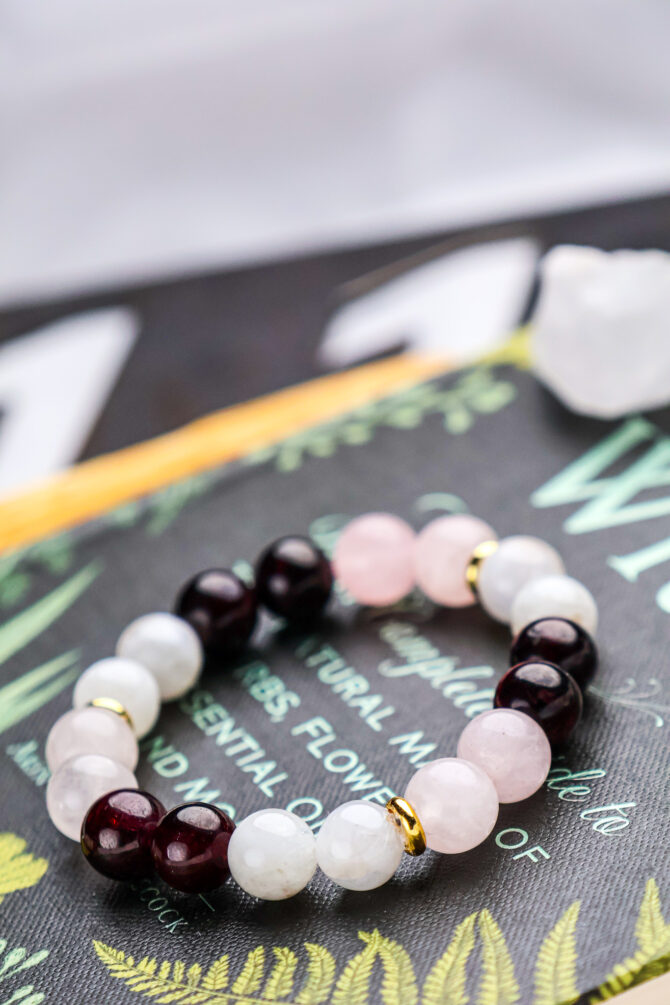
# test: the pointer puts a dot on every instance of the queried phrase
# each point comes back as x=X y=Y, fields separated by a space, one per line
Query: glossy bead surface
x=517 y=561
x=545 y=693
x=558 y=597
x=558 y=641
x=442 y=553
x=456 y=802
x=77 y=783
x=294 y=578
x=91 y=731
x=190 y=847
x=374 y=559
x=511 y=748
x=220 y=608
x=358 y=846
x=167 y=646
x=117 y=832
x=272 y=854
x=129 y=683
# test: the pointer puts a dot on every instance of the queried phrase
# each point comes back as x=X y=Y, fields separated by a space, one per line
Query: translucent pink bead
x=374 y=559
x=456 y=802
x=442 y=554
x=511 y=748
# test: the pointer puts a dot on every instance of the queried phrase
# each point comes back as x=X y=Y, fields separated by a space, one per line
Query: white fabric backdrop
x=143 y=138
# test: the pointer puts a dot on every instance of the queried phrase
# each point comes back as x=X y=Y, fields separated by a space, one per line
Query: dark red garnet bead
x=190 y=847
x=558 y=641
x=117 y=831
x=546 y=693
x=294 y=579
x=221 y=608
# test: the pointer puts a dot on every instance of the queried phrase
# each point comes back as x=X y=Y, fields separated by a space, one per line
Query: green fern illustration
x=498 y=985
x=18 y=869
x=320 y=975
x=555 y=978
x=446 y=982
x=653 y=954
x=353 y=985
x=399 y=983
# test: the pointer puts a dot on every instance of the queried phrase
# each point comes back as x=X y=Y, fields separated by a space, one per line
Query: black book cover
x=564 y=900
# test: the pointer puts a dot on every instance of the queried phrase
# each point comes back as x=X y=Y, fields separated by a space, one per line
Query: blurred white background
x=146 y=138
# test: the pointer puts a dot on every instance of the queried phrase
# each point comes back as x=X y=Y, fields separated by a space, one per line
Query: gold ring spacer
x=481 y=552
x=112 y=705
x=404 y=816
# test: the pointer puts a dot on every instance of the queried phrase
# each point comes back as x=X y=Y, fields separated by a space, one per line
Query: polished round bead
x=546 y=693
x=443 y=550
x=91 y=731
x=272 y=854
x=374 y=559
x=456 y=802
x=77 y=783
x=167 y=646
x=190 y=847
x=294 y=579
x=221 y=608
x=558 y=641
x=117 y=832
x=358 y=846
x=557 y=597
x=129 y=683
x=516 y=561
x=511 y=748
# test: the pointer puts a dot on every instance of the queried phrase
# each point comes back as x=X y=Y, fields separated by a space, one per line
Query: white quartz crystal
x=601 y=339
x=517 y=560
x=359 y=847
x=554 y=597
x=91 y=731
x=272 y=854
x=168 y=647
x=76 y=785
x=127 y=682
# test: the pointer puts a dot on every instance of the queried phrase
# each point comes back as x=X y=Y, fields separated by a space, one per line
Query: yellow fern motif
x=399 y=983
x=498 y=985
x=353 y=985
x=320 y=975
x=445 y=984
x=250 y=979
x=653 y=955
x=18 y=870
x=280 y=983
x=555 y=978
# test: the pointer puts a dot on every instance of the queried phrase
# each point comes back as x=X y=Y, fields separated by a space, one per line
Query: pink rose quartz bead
x=374 y=559
x=511 y=748
x=456 y=803
x=442 y=554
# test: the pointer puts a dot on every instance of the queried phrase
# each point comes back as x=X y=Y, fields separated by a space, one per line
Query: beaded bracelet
x=450 y=804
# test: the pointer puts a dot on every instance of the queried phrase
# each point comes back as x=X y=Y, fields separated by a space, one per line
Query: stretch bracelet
x=450 y=804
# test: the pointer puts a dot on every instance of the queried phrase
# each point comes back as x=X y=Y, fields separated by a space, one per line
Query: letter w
x=609 y=499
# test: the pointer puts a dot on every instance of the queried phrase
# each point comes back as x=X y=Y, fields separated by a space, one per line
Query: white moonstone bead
x=76 y=785
x=127 y=682
x=272 y=854
x=555 y=597
x=511 y=748
x=504 y=573
x=456 y=803
x=91 y=731
x=359 y=847
x=166 y=645
x=442 y=554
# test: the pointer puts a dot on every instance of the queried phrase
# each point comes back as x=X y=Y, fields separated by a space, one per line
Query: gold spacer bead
x=481 y=552
x=112 y=705
x=404 y=816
